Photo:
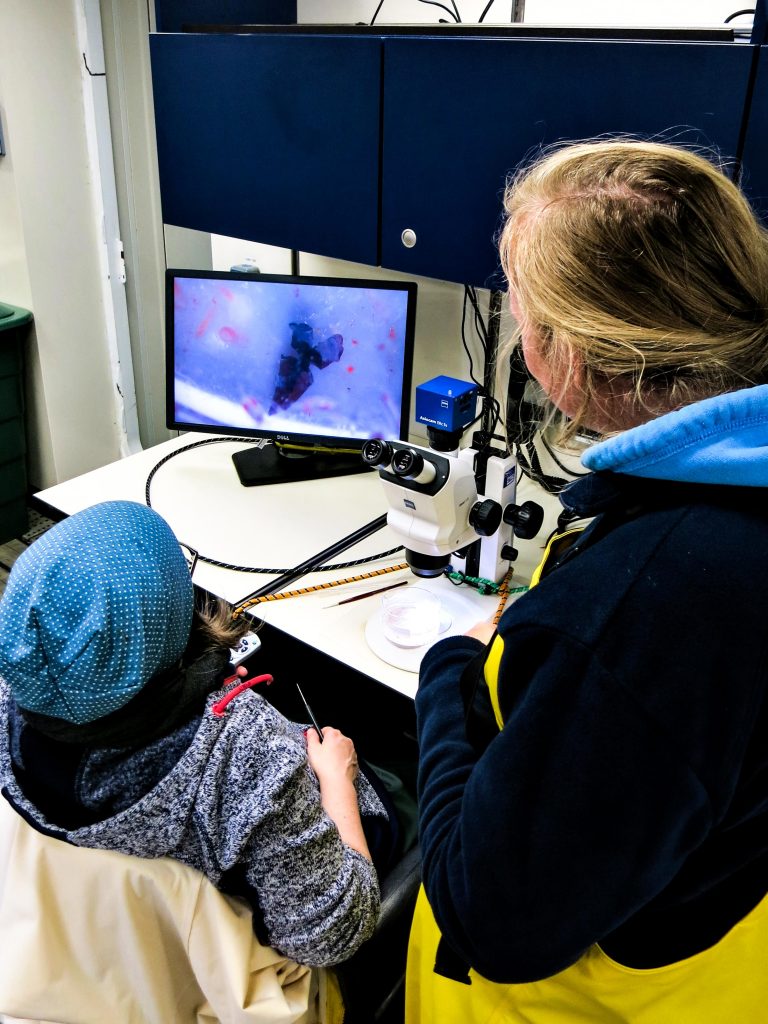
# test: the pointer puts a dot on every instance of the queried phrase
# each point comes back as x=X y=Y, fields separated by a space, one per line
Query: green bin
x=13 y=448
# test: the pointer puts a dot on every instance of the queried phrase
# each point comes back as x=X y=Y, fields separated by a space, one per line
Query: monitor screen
x=311 y=363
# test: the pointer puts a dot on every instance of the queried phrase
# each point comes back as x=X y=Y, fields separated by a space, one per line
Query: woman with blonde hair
x=594 y=773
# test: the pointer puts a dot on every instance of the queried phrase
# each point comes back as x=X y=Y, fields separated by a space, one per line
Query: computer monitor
x=316 y=365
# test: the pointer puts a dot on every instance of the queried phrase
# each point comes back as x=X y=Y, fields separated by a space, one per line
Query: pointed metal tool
x=310 y=712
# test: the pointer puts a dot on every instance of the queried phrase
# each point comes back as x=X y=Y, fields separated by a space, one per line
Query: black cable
x=481 y=331
x=245 y=568
x=178 y=451
x=553 y=483
x=523 y=427
x=495 y=416
x=318 y=568
x=480 y=325
x=93 y=74
x=487 y=8
x=738 y=14
x=490 y=356
x=557 y=461
x=488 y=399
x=532 y=469
x=464 y=340
x=434 y=3
x=309 y=564
x=471 y=297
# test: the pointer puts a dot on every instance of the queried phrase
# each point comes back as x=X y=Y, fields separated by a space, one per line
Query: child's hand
x=334 y=761
x=334 y=758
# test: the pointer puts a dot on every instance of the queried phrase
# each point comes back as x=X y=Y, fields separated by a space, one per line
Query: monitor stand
x=274 y=465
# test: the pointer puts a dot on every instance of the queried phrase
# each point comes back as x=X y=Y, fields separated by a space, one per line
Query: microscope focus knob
x=485 y=517
x=525 y=519
x=509 y=553
x=376 y=452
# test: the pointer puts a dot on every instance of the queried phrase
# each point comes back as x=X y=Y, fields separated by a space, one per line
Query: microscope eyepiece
x=376 y=452
x=407 y=463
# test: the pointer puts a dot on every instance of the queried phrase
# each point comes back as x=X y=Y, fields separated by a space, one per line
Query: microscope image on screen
x=294 y=375
x=288 y=357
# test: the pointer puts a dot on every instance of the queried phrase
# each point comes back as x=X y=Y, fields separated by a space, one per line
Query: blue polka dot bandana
x=92 y=610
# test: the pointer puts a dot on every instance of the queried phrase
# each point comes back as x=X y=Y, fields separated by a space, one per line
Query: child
x=115 y=733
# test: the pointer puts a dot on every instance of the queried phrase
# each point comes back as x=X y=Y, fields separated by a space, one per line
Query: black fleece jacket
x=625 y=801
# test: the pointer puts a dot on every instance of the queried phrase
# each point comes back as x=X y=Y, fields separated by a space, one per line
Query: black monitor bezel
x=305 y=441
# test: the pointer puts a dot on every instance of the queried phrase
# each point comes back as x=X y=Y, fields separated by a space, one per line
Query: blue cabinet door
x=755 y=157
x=271 y=138
x=460 y=114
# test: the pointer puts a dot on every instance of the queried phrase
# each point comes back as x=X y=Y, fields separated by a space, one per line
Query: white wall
x=125 y=26
x=646 y=12
x=51 y=240
x=538 y=12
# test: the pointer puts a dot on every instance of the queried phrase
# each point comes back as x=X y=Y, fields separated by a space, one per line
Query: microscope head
x=433 y=502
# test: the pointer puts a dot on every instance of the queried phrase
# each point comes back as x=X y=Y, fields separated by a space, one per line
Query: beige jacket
x=91 y=936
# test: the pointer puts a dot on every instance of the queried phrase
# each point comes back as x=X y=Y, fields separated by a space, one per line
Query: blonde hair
x=646 y=262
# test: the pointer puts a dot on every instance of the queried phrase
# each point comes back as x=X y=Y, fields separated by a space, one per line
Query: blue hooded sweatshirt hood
x=721 y=440
x=92 y=610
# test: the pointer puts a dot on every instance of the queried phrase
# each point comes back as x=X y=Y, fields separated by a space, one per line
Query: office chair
x=372 y=981
x=177 y=952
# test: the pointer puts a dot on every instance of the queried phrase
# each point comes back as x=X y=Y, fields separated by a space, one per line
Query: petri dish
x=410 y=617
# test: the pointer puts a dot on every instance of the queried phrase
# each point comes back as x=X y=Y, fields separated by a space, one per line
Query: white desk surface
x=277 y=526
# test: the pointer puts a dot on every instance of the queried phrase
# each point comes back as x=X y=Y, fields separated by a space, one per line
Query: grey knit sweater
x=232 y=797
